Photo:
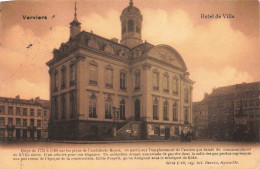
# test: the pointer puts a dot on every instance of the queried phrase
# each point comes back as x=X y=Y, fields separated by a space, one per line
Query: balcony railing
x=165 y=118
x=109 y=85
x=166 y=90
x=93 y=115
x=155 y=88
x=93 y=82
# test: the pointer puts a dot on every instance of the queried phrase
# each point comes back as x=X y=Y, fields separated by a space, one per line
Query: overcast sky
x=217 y=52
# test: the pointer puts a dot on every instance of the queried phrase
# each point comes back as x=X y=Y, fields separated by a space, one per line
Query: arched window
x=55 y=108
x=93 y=106
x=93 y=73
x=186 y=95
x=130 y=25
x=63 y=107
x=175 y=112
x=55 y=80
x=186 y=116
x=175 y=86
x=108 y=108
x=72 y=74
x=155 y=110
x=63 y=77
x=122 y=109
x=165 y=111
x=73 y=105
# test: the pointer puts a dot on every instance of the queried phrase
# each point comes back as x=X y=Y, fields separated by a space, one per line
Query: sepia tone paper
x=218 y=41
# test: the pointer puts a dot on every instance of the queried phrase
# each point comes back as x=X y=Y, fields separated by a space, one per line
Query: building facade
x=200 y=119
x=23 y=119
x=132 y=90
x=247 y=112
x=233 y=112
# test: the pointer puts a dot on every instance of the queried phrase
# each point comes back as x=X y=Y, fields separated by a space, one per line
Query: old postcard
x=129 y=84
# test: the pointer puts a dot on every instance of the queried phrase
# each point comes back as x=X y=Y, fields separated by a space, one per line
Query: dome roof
x=131 y=10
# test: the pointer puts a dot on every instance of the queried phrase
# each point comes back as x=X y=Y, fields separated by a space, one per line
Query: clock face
x=168 y=55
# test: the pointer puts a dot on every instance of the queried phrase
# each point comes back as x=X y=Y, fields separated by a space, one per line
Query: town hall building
x=101 y=88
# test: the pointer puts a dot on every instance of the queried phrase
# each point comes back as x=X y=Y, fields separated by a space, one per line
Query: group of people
x=187 y=136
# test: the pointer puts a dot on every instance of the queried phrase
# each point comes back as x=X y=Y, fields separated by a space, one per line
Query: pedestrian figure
x=182 y=136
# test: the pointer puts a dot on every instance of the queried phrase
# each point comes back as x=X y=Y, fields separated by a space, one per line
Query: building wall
x=11 y=130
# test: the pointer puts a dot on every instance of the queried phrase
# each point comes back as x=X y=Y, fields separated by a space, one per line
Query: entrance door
x=18 y=134
x=137 y=109
x=24 y=133
x=32 y=134
x=39 y=134
x=167 y=133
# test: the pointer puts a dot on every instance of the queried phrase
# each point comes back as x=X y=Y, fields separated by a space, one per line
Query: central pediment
x=168 y=55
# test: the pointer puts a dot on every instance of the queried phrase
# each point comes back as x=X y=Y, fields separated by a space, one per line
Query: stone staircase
x=130 y=131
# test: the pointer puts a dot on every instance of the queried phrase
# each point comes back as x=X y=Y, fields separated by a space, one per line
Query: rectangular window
x=24 y=111
x=25 y=122
x=93 y=74
x=18 y=110
x=122 y=80
x=155 y=81
x=2 y=133
x=56 y=80
x=109 y=78
x=39 y=123
x=10 y=110
x=157 y=131
x=31 y=122
x=18 y=122
x=10 y=121
x=31 y=112
x=2 y=109
x=45 y=113
x=175 y=86
x=137 y=80
x=63 y=78
x=166 y=83
x=39 y=112
x=2 y=121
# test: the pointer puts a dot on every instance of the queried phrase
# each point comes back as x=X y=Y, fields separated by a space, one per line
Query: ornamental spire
x=131 y=3
x=75 y=14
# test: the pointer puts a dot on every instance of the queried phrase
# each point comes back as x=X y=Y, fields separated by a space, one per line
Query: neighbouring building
x=132 y=89
x=247 y=112
x=232 y=112
x=200 y=119
x=23 y=119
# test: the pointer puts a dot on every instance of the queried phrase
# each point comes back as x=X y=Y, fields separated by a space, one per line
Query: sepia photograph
x=129 y=84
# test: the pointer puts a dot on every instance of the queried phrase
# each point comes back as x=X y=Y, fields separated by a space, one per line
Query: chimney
x=17 y=97
x=115 y=40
